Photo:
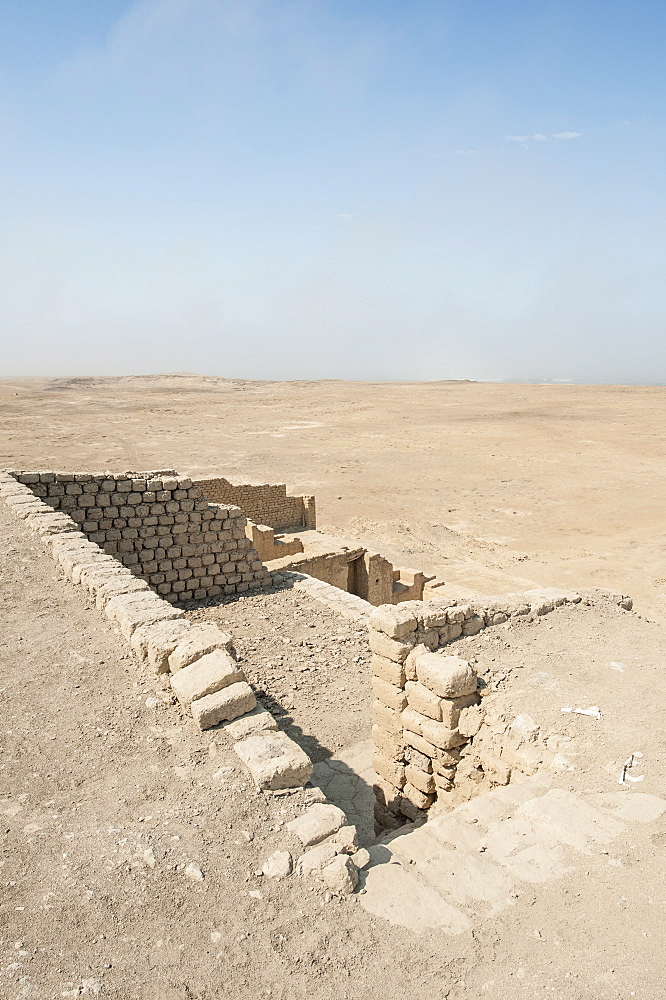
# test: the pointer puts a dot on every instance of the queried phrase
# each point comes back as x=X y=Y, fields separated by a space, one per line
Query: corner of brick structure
x=428 y=731
x=159 y=526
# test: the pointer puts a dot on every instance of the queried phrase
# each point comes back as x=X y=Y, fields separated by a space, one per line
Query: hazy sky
x=334 y=188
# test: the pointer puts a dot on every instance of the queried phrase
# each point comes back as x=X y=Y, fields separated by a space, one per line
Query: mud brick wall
x=268 y=546
x=427 y=707
x=264 y=504
x=420 y=695
x=162 y=528
x=329 y=567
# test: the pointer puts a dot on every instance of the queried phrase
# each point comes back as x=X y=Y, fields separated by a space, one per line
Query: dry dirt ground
x=306 y=662
x=494 y=487
x=108 y=793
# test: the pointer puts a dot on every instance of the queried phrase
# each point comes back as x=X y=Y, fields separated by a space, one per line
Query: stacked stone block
x=160 y=527
x=268 y=547
x=264 y=504
x=427 y=707
x=419 y=698
x=205 y=676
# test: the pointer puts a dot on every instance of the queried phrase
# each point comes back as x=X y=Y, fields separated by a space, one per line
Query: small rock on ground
x=341 y=875
x=278 y=865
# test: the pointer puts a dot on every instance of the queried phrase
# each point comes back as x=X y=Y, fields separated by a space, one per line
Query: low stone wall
x=268 y=547
x=408 y=585
x=368 y=575
x=264 y=503
x=329 y=567
x=207 y=681
x=372 y=578
x=427 y=708
x=205 y=676
x=161 y=527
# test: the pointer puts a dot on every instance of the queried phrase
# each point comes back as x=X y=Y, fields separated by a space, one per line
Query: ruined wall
x=268 y=546
x=162 y=528
x=416 y=739
x=367 y=575
x=264 y=504
x=329 y=567
x=371 y=578
x=408 y=585
x=427 y=708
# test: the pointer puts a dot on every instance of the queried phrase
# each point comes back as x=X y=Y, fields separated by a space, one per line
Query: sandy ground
x=107 y=792
x=310 y=666
x=493 y=487
x=106 y=798
x=596 y=932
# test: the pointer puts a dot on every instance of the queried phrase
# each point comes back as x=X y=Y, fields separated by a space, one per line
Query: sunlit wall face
x=279 y=189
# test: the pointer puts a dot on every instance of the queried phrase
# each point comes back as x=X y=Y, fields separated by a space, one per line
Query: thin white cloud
x=540 y=137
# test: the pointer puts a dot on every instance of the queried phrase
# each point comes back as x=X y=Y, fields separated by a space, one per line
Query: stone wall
x=368 y=575
x=269 y=547
x=207 y=682
x=264 y=504
x=409 y=585
x=161 y=528
x=371 y=578
x=205 y=675
x=427 y=707
x=334 y=567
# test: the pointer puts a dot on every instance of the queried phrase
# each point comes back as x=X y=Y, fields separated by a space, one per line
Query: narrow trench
x=311 y=669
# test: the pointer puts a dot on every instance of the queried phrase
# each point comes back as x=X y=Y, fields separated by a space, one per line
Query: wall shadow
x=345 y=777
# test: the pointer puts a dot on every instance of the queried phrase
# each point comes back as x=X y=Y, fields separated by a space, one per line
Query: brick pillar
x=309 y=512
x=419 y=699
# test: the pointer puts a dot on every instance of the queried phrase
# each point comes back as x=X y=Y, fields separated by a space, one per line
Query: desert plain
x=490 y=486
x=112 y=805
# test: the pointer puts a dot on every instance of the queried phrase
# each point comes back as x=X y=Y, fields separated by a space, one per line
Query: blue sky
x=309 y=189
